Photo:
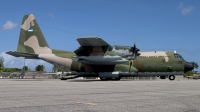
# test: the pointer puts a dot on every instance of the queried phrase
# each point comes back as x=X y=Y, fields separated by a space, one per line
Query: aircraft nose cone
x=188 y=66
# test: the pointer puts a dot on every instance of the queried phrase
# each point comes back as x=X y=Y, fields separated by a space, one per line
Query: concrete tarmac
x=51 y=95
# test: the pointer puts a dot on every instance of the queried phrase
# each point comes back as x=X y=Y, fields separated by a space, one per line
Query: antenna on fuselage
x=175 y=51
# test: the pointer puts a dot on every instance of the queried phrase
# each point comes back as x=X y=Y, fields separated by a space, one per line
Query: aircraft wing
x=91 y=45
x=92 y=41
x=92 y=52
x=100 y=60
x=20 y=54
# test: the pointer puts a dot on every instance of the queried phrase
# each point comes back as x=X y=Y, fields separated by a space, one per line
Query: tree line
x=25 y=68
x=37 y=68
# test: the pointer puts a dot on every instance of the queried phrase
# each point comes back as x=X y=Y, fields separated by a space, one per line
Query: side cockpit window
x=178 y=56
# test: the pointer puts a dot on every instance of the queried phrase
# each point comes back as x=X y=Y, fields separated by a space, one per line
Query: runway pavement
x=46 y=95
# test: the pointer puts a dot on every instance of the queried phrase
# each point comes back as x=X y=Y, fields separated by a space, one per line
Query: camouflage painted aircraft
x=96 y=58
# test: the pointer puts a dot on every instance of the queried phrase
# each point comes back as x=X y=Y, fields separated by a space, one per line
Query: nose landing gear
x=171 y=77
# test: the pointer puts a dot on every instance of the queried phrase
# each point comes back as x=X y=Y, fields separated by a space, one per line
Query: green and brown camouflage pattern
x=153 y=61
x=160 y=61
x=33 y=44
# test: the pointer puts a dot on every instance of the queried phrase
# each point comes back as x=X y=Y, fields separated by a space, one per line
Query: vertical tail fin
x=31 y=39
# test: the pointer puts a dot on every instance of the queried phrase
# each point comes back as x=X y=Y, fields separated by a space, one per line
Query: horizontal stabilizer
x=20 y=54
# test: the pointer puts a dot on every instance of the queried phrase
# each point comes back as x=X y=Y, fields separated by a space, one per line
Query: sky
x=155 y=25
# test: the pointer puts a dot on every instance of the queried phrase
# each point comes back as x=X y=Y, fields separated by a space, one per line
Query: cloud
x=51 y=15
x=9 y=25
x=13 y=62
x=185 y=10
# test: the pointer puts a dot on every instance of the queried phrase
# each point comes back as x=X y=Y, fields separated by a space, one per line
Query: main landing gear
x=114 y=79
x=171 y=77
x=62 y=78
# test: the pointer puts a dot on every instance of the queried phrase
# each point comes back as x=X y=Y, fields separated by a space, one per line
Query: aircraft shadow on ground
x=93 y=80
x=27 y=80
x=83 y=80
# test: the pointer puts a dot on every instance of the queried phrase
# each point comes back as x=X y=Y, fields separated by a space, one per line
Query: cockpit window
x=177 y=56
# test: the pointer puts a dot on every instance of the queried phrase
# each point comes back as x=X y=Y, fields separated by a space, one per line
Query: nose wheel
x=171 y=77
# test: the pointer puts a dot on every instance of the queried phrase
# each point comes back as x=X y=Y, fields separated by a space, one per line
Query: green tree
x=189 y=73
x=39 y=68
x=1 y=66
x=57 y=69
x=195 y=64
x=11 y=70
x=26 y=68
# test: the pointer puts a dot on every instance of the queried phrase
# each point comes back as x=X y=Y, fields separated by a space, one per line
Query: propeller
x=134 y=51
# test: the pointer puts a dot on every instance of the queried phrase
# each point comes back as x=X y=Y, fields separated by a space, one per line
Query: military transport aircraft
x=96 y=58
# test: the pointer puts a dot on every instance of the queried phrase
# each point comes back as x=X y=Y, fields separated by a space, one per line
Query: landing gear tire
x=116 y=79
x=171 y=77
x=62 y=78
x=103 y=79
x=162 y=77
x=112 y=79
